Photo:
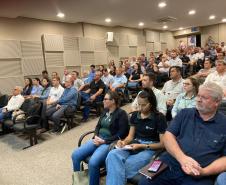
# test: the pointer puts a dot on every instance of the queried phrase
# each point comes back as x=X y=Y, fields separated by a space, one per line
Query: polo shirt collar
x=212 y=120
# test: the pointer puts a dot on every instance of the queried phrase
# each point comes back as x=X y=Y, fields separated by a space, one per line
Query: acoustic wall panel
x=53 y=42
x=10 y=82
x=157 y=46
x=141 y=40
x=54 y=59
x=10 y=67
x=10 y=49
x=150 y=47
x=141 y=49
x=71 y=43
x=152 y=36
x=123 y=40
x=86 y=44
x=132 y=40
x=87 y=58
x=124 y=51
x=99 y=45
x=132 y=51
x=100 y=58
x=163 y=46
x=85 y=68
x=33 y=66
x=72 y=58
x=31 y=48
x=113 y=53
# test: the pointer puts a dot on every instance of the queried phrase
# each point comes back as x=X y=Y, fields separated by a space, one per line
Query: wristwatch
x=148 y=146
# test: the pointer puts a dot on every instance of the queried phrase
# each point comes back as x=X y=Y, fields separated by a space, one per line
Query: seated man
x=195 y=142
x=55 y=93
x=13 y=104
x=119 y=81
x=94 y=93
x=219 y=76
x=107 y=78
x=172 y=89
x=68 y=98
x=148 y=82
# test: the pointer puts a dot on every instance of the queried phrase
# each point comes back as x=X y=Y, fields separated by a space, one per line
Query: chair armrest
x=37 y=118
x=14 y=118
x=83 y=136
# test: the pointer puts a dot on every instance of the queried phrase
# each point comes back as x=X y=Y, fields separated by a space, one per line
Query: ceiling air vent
x=166 y=19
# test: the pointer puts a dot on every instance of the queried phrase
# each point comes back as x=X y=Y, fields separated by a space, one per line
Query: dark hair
x=149 y=94
x=57 y=78
x=105 y=70
x=195 y=83
x=178 y=69
x=45 y=72
x=30 y=81
x=93 y=66
x=114 y=96
x=139 y=68
x=77 y=73
x=151 y=76
x=48 y=82
x=39 y=81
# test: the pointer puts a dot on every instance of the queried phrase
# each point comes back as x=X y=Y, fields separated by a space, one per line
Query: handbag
x=80 y=178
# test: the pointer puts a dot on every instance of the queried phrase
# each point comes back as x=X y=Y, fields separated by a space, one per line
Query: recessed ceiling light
x=60 y=15
x=211 y=17
x=224 y=20
x=165 y=27
x=107 y=20
x=181 y=28
x=141 y=24
x=191 y=12
x=162 y=4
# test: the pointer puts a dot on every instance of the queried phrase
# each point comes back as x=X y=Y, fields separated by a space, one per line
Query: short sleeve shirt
x=204 y=141
x=95 y=86
x=148 y=129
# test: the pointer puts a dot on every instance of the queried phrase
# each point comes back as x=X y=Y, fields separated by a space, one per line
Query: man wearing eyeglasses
x=14 y=103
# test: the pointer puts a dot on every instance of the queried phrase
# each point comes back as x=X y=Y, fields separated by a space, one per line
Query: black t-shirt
x=148 y=129
x=95 y=86
x=135 y=75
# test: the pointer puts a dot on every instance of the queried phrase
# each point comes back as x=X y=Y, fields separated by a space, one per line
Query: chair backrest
x=4 y=100
x=31 y=107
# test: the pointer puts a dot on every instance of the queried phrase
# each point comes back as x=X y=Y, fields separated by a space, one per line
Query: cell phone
x=154 y=167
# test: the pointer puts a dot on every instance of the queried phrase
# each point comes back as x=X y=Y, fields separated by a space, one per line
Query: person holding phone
x=112 y=125
x=147 y=127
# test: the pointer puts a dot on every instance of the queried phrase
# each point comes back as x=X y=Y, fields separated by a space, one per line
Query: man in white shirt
x=175 y=60
x=219 y=76
x=13 y=104
x=107 y=78
x=148 y=81
x=76 y=81
x=172 y=89
x=55 y=93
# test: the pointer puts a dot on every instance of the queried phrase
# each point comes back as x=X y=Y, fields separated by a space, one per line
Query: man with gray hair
x=13 y=104
x=195 y=142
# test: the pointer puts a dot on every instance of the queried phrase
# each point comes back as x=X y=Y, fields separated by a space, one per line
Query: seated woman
x=45 y=91
x=112 y=125
x=186 y=99
x=37 y=88
x=27 y=88
x=147 y=127
x=136 y=77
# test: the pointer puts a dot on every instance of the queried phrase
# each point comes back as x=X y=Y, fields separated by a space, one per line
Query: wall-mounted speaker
x=110 y=37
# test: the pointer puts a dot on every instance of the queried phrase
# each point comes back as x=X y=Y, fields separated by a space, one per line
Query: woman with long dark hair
x=147 y=127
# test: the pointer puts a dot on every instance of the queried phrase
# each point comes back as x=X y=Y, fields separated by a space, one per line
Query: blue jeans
x=221 y=179
x=98 y=155
x=132 y=84
x=4 y=115
x=122 y=165
x=85 y=99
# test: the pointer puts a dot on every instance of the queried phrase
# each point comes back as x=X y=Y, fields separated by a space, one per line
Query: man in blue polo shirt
x=68 y=98
x=195 y=142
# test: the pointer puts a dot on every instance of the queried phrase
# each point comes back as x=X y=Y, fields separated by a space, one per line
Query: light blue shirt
x=118 y=80
x=183 y=102
x=36 y=90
